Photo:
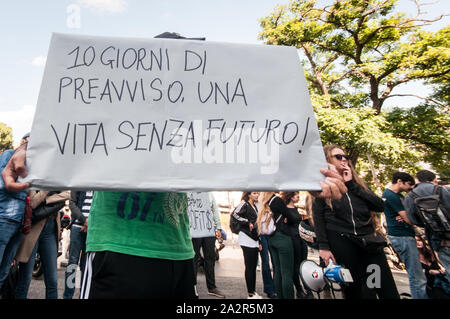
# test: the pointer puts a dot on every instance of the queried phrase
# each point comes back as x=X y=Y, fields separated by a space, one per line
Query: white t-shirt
x=246 y=241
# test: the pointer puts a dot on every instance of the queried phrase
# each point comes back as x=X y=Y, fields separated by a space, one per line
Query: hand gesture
x=347 y=173
x=333 y=187
x=326 y=255
x=85 y=226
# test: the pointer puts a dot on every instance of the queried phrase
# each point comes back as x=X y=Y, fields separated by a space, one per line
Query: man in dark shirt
x=426 y=184
x=401 y=232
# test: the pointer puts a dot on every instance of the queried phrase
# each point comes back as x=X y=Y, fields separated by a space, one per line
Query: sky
x=26 y=28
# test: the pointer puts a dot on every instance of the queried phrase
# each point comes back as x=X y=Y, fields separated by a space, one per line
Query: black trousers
x=300 y=254
x=358 y=260
x=110 y=275
x=251 y=262
x=207 y=244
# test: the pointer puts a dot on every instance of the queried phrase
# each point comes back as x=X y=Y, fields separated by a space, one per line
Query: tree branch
x=419 y=97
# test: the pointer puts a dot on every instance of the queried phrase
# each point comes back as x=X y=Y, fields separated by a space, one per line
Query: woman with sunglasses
x=346 y=230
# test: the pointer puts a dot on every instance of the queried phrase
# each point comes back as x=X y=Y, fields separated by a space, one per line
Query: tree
x=6 y=140
x=356 y=53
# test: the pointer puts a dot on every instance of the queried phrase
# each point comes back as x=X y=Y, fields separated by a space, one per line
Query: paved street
x=229 y=276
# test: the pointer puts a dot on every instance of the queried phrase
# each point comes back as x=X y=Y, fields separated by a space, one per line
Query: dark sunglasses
x=340 y=157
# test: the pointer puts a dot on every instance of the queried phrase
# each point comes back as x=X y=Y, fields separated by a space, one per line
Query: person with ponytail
x=263 y=220
x=246 y=213
x=300 y=248
x=347 y=233
x=280 y=242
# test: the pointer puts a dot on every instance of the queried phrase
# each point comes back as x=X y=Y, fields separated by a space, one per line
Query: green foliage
x=6 y=140
x=364 y=133
x=359 y=44
x=356 y=53
x=427 y=128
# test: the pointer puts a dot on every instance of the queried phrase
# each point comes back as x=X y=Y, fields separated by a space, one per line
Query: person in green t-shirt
x=139 y=246
x=401 y=232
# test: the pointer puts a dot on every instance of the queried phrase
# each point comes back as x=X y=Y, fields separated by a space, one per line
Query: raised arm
x=16 y=167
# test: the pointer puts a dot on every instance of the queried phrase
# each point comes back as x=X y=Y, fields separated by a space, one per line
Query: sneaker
x=216 y=292
x=254 y=296
x=272 y=296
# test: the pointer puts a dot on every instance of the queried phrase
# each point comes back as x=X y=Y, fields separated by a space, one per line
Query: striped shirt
x=86 y=207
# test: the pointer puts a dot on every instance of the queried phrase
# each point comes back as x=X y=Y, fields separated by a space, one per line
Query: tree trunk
x=374 y=174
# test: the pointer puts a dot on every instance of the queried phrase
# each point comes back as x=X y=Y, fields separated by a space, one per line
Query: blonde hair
x=308 y=207
x=358 y=180
x=264 y=210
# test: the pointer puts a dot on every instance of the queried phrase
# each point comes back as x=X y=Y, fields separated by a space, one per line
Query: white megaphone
x=316 y=277
x=312 y=275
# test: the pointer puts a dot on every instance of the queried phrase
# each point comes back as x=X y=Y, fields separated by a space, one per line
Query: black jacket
x=246 y=214
x=75 y=205
x=351 y=214
x=278 y=207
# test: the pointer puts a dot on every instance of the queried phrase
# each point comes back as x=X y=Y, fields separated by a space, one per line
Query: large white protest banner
x=173 y=115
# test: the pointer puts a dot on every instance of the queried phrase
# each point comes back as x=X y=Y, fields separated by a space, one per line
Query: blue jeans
x=406 y=248
x=9 y=242
x=266 y=273
x=48 y=250
x=77 y=247
x=444 y=257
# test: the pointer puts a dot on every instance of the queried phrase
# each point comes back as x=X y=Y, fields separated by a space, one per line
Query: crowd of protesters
x=345 y=215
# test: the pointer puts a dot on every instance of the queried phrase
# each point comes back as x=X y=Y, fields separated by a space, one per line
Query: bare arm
x=16 y=167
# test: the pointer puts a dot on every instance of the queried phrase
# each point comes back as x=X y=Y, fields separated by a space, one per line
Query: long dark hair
x=245 y=196
x=287 y=196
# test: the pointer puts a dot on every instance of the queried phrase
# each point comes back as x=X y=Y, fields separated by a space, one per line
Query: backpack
x=432 y=212
x=272 y=226
x=234 y=223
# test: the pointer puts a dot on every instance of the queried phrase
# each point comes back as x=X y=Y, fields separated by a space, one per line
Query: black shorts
x=110 y=275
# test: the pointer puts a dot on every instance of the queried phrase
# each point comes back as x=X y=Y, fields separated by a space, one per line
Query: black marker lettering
x=92 y=50
x=210 y=92
x=242 y=94
x=225 y=97
x=120 y=130
x=160 y=140
x=106 y=91
x=78 y=89
x=154 y=88
x=108 y=61
x=61 y=86
x=285 y=130
x=210 y=128
x=102 y=133
x=61 y=148
x=124 y=57
x=176 y=134
x=180 y=85
x=137 y=148
x=75 y=62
